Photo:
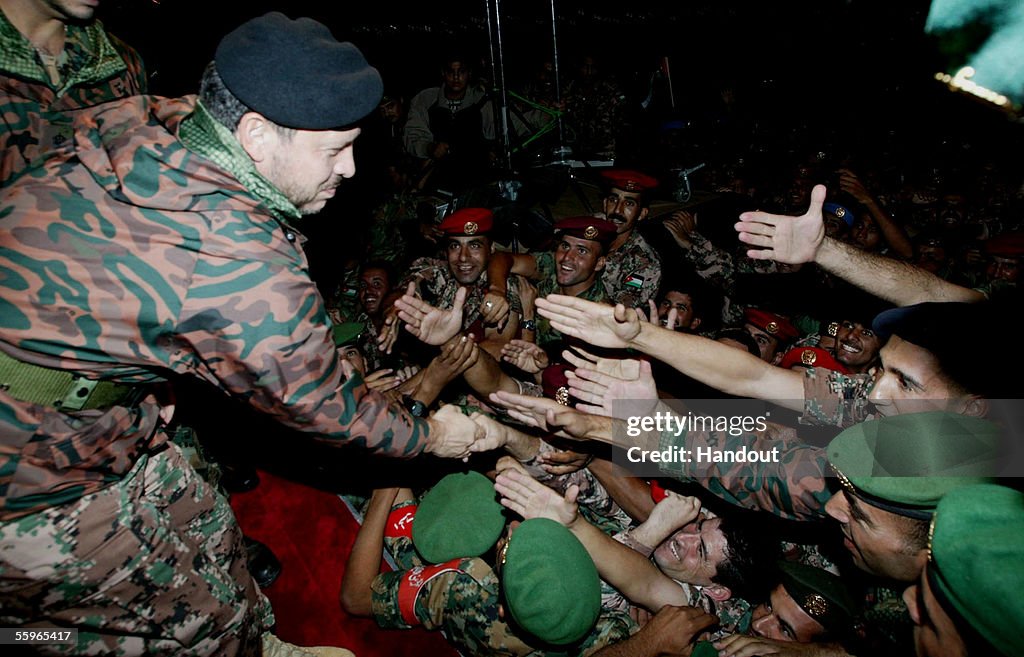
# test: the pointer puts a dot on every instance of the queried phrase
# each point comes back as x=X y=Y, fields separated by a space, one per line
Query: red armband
x=413 y=582
x=400 y=522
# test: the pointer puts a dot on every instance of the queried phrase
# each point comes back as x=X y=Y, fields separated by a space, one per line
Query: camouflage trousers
x=151 y=565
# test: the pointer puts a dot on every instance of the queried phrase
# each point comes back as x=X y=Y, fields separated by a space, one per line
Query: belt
x=61 y=389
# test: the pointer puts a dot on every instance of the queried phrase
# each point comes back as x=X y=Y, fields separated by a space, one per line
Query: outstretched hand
x=547 y=414
x=532 y=499
x=596 y=323
x=791 y=240
x=525 y=355
x=431 y=325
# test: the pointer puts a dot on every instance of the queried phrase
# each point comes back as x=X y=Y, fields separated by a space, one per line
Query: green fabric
x=550 y=582
x=347 y=333
x=977 y=561
x=202 y=134
x=911 y=460
x=88 y=54
x=822 y=595
x=458 y=517
x=704 y=649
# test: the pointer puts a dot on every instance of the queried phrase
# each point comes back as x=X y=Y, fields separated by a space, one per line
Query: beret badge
x=816 y=605
x=772 y=327
x=807 y=357
x=590 y=233
x=471 y=228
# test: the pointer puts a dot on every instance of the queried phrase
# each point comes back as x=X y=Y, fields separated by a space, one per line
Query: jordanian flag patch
x=634 y=281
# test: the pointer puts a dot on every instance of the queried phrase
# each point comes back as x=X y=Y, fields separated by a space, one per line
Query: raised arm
x=364 y=560
x=714 y=364
x=800 y=239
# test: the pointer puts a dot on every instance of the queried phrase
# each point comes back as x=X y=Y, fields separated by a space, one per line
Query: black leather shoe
x=239 y=478
x=263 y=565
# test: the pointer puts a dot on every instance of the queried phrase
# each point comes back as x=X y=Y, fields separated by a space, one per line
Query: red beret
x=773 y=324
x=587 y=228
x=812 y=357
x=1009 y=245
x=556 y=383
x=629 y=181
x=468 y=221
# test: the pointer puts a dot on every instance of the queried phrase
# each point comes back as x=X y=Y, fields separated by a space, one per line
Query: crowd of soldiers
x=148 y=240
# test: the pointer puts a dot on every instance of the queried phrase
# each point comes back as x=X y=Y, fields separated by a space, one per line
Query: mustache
x=617 y=217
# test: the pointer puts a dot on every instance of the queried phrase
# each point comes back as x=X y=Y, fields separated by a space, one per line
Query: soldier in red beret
x=771 y=332
x=632 y=271
x=467 y=246
x=811 y=357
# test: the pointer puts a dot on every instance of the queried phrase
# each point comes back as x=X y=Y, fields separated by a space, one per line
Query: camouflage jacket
x=632 y=273
x=132 y=257
x=720 y=268
x=438 y=287
x=548 y=284
x=794 y=488
x=835 y=399
x=461 y=598
x=96 y=68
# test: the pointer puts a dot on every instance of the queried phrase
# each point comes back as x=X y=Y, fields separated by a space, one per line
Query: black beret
x=295 y=73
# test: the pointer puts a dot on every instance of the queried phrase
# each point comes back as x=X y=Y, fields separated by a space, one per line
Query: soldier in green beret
x=967 y=602
x=540 y=593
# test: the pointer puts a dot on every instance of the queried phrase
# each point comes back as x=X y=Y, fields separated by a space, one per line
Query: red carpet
x=311 y=532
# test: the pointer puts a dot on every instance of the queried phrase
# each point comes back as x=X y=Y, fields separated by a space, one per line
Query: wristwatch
x=415 y=406
x=529 y=324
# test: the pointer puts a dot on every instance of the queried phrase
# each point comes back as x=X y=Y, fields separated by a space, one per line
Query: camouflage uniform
x=835 y=399
x=151 y=565
x=96 y=68
x=632 y=273
x=135 y=256
x=548 y=284
x=461 y=598
x=438 y=287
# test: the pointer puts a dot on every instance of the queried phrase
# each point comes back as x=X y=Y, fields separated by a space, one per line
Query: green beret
x=822 y=595
x=550 y=582
x=459 y=517
x=348 y=333
x=704 y=649
x=904 y=464
x=976 y=568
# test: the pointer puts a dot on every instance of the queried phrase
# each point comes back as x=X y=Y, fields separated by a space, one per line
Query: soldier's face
x=456 y=77
x=1003 y=269
x=354 y=356
x=693 y=553
x=911 y=381
x=577 y=260
x=683 y=305
x=308 y=165
x=876 y=539
x=624 y=209
x=468 y=257
x=767 y=343
x=856 y=346
x=373 y=285
x=781 y=618
x=74 y=10
x=935 y=635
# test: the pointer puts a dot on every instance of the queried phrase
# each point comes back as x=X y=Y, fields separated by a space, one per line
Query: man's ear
x=643 y=214
x=255 y=134
x=718 y=593
x=975 y=406
x=599 y=265
x=695 y=323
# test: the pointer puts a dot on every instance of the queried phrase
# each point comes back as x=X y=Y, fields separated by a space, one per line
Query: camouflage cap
x=468 y=221
x=347 y=333
x=459 y=517
x=775 y=325
x=550 y=582
x=295 y=73
x=822 y=595
x=628 y=180
x=904 y=464
x=976 y=565
x=587 y=228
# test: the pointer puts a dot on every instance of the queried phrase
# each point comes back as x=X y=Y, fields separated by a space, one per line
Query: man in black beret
x=169 y=223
